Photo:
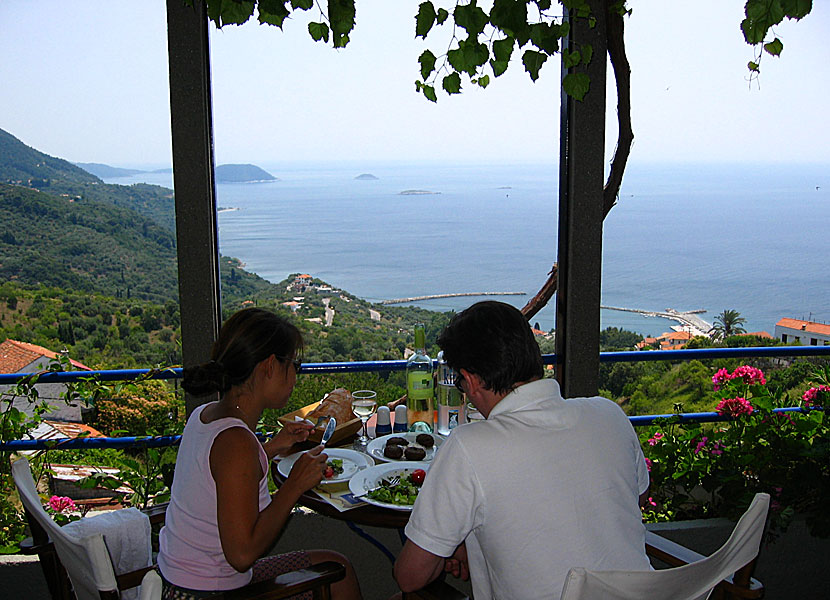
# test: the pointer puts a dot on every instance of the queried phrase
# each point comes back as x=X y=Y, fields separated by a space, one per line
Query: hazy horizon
x=88 y=82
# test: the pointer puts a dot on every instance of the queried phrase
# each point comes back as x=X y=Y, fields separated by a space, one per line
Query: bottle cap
x=400 y=418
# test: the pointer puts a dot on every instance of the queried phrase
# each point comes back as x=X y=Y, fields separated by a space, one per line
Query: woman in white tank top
x=221 y=519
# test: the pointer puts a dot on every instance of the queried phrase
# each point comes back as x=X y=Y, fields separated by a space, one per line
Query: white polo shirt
x=543 y=485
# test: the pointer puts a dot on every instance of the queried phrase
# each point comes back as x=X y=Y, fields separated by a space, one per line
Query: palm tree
x=727 y=323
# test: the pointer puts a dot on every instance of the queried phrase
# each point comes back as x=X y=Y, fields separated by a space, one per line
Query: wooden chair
x=82 y=569
x=724 y=574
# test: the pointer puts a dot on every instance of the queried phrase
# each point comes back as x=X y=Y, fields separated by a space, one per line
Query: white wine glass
x=364 y=405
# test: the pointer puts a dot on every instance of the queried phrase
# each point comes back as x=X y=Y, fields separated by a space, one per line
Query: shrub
x=714 y=469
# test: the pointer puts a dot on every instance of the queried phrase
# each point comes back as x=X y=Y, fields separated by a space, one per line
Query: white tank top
x=190 y=551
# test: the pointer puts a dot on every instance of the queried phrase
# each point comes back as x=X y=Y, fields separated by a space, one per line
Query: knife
x=329 y=431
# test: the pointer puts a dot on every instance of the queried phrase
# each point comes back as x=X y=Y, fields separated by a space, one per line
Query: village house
x=671 y=340
x=806 y=333
x=22 y=357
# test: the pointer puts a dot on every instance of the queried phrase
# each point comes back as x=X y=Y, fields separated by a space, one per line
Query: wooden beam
x=581 y=177
x=196 y=232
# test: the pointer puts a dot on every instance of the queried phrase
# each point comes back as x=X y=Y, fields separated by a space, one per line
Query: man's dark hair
x=493 y=340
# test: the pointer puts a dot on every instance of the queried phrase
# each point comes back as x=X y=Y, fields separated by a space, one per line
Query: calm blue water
x=740 y=237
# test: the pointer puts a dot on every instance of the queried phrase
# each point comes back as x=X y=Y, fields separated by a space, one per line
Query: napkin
x=127 y=536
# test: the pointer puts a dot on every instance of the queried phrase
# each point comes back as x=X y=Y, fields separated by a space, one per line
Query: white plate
x=370 y=478
x=376 y=446
x=353 y=462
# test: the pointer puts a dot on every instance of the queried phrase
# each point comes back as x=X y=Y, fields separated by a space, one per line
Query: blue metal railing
x=385 y=366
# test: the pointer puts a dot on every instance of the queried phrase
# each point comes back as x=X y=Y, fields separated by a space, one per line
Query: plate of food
x=390 y=485
x=341 y=464
x=410 y=446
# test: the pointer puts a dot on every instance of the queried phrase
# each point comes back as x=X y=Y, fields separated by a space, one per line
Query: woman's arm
x=245 y=532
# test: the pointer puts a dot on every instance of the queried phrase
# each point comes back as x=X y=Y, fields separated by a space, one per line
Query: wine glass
x=364 y=405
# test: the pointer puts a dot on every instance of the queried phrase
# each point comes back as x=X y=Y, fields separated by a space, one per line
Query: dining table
x=366 y=514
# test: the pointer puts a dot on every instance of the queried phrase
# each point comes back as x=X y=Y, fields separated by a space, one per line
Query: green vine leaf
x=503 y=49
x=302 y=4
x=318 y=31
x=509 y=15
x=587 y=53
x=576 y=85
x=425 y=19
x=427 y=60
x=753 y=66
x=341 y=18
x=797 y=9
x=471 y=18
x=230 y=13
x=442 y=16
x=533 y=61
x=468 y=57
x=570 y=59
x=272 y=12
x=429 y=93
x=452 y=83
x=483 y=81
x=774 y=47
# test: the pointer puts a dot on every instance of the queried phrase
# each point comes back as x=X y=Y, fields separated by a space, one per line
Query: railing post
x=192 y=131
x=581 y=174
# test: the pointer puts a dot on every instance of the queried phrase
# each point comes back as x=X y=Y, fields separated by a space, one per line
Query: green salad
x=402 y=493
x=333 y=467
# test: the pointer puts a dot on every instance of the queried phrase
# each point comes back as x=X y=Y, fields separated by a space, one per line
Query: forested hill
x=84 y=244
x=61 y=226
x=23 y=165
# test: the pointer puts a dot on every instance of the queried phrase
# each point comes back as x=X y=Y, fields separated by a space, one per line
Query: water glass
x=364 y=405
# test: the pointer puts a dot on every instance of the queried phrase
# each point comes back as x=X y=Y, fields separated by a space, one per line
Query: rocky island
x=242 y=174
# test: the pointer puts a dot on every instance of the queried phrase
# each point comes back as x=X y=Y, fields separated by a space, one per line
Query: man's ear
x=474 y=382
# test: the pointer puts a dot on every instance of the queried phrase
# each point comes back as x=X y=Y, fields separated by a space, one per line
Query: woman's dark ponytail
x=246 y=338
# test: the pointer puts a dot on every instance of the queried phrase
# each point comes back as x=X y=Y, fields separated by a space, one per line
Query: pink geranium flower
x=721 y=377
x=734 y=407
x=701 y=444
x=648 y=463
x=811 y=396
x=656 y=438
x=750 y=375
x=61 y=504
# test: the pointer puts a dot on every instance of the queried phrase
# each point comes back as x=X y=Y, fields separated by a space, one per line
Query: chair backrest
x=694 y=581
x=150 y=586
x=86 y=559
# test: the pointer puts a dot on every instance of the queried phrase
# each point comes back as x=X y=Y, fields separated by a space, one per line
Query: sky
x=87 y=80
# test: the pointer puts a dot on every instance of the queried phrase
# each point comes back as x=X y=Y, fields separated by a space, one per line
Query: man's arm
x=416 y=567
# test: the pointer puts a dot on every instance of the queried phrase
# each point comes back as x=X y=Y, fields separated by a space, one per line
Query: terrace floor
x=792 y=567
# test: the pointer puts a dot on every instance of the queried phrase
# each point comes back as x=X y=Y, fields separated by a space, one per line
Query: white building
x=806 y=333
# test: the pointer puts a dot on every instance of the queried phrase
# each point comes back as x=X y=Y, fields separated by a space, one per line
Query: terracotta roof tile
x=15 y=356
x=800 y=325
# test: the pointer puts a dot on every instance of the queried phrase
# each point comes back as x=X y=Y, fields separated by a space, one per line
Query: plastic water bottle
x=451 y=406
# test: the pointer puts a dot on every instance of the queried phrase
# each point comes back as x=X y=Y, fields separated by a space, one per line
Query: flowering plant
x=714 y=469
x=61 y=509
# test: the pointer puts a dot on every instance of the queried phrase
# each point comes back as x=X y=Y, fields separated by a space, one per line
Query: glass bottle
x=419 y=386
x=452 y=408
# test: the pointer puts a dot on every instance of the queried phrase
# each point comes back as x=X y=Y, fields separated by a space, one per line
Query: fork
x=392 y=482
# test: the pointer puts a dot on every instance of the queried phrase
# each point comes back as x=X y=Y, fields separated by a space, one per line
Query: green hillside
x=84 y=245
x=106 y=172
x=23 y=165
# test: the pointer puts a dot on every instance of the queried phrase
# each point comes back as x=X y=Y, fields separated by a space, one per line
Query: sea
x=711 y=237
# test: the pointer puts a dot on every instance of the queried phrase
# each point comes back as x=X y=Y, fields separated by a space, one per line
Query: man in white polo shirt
x=542 y=485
